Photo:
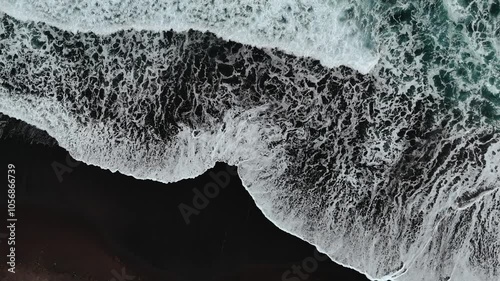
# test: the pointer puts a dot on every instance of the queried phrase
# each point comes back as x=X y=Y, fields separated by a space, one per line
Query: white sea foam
x=395 y=174
x=304 y=28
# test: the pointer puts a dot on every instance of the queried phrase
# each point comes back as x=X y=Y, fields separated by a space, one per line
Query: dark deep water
x=94 y=222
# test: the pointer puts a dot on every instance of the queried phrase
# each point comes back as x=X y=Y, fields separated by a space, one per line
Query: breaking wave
x=306 y=28
x=393 y=171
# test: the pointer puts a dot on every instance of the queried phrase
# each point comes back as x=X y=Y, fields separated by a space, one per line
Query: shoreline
x=144 y=229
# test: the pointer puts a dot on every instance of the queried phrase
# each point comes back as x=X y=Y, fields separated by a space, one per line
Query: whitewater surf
x=368 y=129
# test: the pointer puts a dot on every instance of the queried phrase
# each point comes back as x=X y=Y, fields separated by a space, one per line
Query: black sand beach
x=92 y=224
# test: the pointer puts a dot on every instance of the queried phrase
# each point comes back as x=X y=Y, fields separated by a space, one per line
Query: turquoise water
x=445 y=48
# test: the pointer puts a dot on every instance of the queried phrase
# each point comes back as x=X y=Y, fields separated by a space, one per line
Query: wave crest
x=305 y=28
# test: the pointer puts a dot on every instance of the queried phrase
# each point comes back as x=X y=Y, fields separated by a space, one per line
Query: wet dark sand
x=95 y=223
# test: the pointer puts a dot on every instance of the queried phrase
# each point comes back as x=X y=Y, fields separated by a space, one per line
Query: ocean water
x=367 y=128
